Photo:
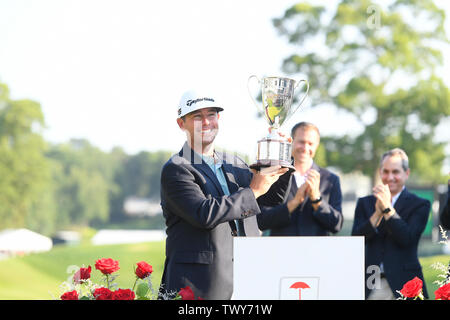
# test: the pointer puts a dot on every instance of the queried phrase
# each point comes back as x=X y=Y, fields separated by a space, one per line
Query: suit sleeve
x=278 y=192
x=184 y=198
x=329 y=214
x=274 y=211
x=361 y=222
x=406 y=232
x=273 y=217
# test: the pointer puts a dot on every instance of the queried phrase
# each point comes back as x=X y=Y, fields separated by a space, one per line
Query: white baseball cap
x=192 y=100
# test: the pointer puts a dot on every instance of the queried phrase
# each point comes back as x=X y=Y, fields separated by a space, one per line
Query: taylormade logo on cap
x=192 y=101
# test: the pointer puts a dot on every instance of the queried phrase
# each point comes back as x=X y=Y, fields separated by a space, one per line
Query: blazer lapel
x=229 y=173
x=399 y=206
x=198 y=163
x=248 y=226
x=401 y=202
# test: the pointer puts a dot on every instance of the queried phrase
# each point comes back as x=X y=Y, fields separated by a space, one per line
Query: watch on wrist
x=387 y=210
x=316 y=200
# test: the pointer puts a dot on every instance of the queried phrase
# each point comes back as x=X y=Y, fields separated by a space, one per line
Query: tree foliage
x=139 y=176
x=48 y=187
x=380 y=64
x=24 y=171
x=83 y=178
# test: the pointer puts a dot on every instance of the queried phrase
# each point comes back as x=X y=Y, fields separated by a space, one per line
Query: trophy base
x=260 y=164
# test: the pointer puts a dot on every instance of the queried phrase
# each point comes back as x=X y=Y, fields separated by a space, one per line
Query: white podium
x=298 y=268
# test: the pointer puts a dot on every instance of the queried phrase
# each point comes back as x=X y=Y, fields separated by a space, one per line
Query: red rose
x=143 y=270
x=443 y=293
x=82 y=274
x=103 y=294
x=107 y=266
x=186 y=293
x=71 y=295
x=123 y=294
x=412 y=289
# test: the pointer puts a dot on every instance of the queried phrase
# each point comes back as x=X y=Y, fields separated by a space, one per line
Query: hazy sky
x=113 y=71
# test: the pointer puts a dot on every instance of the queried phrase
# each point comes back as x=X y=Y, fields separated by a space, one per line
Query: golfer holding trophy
x=277 y=107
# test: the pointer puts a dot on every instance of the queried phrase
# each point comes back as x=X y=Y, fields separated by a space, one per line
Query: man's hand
x=376 y=217
x=313 y=181
x=299 y=198
x=263 y=180
x=383 y=195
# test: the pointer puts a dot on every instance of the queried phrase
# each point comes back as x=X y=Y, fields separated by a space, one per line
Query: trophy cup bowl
x=277 y=107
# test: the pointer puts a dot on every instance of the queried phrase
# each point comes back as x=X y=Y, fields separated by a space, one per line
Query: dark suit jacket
x=303 y=221
x=445 y=213
x=199 y=235
x=394 y=242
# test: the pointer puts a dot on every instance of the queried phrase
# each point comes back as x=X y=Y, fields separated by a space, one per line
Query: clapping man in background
x=392 y=221
x=312 y=203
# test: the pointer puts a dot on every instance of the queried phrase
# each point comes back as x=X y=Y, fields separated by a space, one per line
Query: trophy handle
x=304 y=96
x=250 y=93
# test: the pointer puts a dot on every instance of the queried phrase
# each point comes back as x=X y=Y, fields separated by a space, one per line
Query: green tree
x=24 y=172
x=139 y=176
x=380 y=64
x=83 y=178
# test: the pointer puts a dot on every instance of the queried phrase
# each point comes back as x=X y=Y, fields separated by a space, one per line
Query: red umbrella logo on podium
x=299 y=285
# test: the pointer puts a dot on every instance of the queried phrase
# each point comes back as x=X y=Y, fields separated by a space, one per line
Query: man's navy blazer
x=304 y=220
x=394 y=242
x=199 y=244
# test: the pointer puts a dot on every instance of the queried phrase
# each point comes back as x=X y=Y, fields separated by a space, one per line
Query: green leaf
x=142 y=289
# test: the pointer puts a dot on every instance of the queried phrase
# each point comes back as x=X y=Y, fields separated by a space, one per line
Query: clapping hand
x=383 y=195
x=313 y=182
x=300 y=196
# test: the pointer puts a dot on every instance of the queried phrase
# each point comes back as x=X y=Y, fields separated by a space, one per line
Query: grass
x=431 y=274
x=38 y=276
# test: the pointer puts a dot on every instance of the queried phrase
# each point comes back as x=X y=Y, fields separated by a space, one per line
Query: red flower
x=82 y=274
x=103 y=294
x=412 y=289
x=186 y=293
x=71 y=295
x=143 y=270
x=443 y=293
x=123 y=294
x=107 y=266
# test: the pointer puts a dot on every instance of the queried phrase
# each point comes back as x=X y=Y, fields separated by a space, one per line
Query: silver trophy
x=277 y=97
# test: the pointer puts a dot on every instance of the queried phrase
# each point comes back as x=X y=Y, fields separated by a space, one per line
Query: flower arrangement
x=81 y=287
x=413 y=288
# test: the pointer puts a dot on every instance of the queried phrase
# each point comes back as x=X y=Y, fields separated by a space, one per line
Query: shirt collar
x=212 y=161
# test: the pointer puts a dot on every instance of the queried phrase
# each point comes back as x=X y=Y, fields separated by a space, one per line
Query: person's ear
x=180 y=123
